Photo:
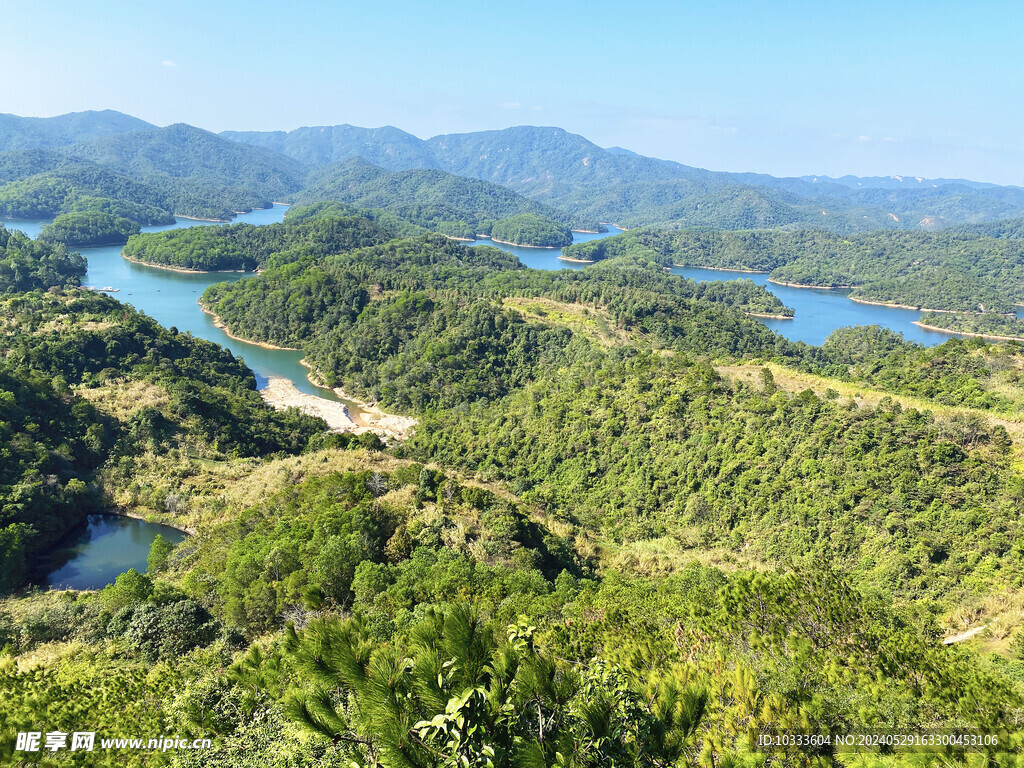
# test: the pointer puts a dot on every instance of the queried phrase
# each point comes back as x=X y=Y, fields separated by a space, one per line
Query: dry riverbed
x=282 y=393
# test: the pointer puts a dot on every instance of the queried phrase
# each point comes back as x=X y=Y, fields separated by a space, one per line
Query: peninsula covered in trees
x=986 y=324
x=89 y=228
x=960 y=271
x=247 y=247
x=531 y=229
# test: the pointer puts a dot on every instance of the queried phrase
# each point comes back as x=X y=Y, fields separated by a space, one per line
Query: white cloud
x=863 y=139
x=510 y=105
x=169 y=63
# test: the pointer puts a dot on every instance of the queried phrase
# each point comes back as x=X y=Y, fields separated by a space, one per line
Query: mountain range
x=47 y=162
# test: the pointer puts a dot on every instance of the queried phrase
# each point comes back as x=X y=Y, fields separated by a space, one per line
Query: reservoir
x=818 y=311
x=97 y=553
x=821 y=311
x=170 y=297
x=109 y=545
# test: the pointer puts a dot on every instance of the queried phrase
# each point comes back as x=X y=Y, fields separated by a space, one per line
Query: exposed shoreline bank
x=950 y=332
x=183 y=270
x=577 y=261
x=212 y=221
x=218 y=323
x=901 y=306
x=282 y=393
x=804 y=285
x=524 y=245
x=769 y=317
x=121 y=513
x=741 y=270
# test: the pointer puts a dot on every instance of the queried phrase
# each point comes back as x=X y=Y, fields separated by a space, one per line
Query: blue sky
x=788 y=88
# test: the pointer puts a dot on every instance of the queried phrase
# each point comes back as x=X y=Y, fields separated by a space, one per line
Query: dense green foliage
x=423 y=315
x=677 y=451
x=244 y=246
x=531 y=229
x=52 y=443
x=984 y=324
x=959 y=372
x=945 y=270
x=89 y=228
x=572 y=424
x=58 y=348
x=204 y=175
x=632 y=527
x=552 y=659
x=435 y=200
x=143 y=215
x=26 y=265
x=146 y=176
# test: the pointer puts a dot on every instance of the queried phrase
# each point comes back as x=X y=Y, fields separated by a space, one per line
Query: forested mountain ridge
x=473 y=204
x=66 y=181
x=193 y=162
x=569 y=172
x=177 y=170
x=38 y=132
x=388 y=147
x=206 y=176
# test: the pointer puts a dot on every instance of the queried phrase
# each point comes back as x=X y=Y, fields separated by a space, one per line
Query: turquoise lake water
x=170 y=297
x=102 y=549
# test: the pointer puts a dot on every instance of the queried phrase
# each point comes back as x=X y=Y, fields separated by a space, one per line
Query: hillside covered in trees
x=438 y=201
x=633 y=526
x=27 y=265
x=89 y=228
x=247 y=247
x=952 y=270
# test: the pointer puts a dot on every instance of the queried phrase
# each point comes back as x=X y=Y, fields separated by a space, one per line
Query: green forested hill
x=70 y=348
x=952 y=270
x=61 y=349
x=207 y=176
x=531 y=229
x=317 y=300
x=472 y=206
x=573 y=174
x=37 y=132
x=27 y=265
x=178 y=169
x=387 y=147
x=59 y=189
x=246 y=247
x=89 y=228
x=974 y=324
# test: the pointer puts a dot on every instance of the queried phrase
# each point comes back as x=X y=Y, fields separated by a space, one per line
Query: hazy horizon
x=927 y=90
